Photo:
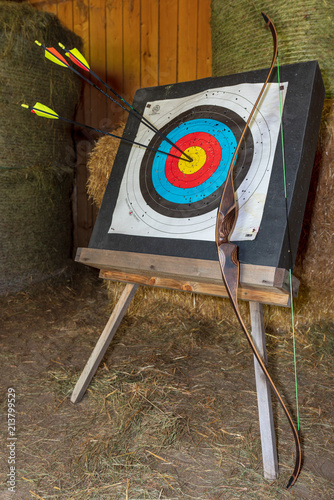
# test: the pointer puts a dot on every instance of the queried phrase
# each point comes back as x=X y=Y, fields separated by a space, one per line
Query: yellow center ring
x=198 y=156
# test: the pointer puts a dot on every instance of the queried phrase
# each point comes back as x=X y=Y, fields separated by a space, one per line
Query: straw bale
x=100 y=163
x=298 y=25
x=240 y=42
x=36 y=155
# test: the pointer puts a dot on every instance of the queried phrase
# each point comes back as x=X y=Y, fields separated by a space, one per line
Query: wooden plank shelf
x=263 y=284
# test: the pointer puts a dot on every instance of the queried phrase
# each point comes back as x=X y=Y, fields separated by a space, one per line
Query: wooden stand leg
x=103 y=342
x=268 y=440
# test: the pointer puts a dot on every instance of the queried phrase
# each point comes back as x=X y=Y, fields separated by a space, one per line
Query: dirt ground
x=171 y=412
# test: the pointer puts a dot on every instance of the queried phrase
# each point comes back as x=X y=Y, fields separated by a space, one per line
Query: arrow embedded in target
x=41 y=110
x=75 y=55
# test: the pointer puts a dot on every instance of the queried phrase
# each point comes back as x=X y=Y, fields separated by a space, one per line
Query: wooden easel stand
x=266 y=285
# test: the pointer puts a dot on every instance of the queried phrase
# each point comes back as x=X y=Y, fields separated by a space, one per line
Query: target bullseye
x=205 y=165
x=198 y=156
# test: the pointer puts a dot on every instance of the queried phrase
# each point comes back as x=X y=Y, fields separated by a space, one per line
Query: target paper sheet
x=167 y=197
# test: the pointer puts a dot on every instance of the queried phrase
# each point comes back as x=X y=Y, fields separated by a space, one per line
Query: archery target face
x=164 y=195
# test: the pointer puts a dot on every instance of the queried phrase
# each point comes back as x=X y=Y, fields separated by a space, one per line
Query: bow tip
x=291 y=482
x=265 y=17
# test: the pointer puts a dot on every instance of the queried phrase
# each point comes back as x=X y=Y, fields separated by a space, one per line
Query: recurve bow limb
x=228 y=256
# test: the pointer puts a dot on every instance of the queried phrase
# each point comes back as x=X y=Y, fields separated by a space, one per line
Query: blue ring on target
x=226 y=118
x=228 y=144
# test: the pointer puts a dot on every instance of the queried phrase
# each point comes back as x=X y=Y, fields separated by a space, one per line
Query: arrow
x=41 y=110
x=78 y=59
x=53 y=55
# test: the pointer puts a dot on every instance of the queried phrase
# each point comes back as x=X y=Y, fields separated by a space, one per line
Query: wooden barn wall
x=130 y=44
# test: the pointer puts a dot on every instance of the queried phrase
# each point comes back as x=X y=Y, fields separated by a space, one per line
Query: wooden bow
x=228 y=255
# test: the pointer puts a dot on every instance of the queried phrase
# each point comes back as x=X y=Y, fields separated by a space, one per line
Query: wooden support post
x=268 y=440
x=103 y=342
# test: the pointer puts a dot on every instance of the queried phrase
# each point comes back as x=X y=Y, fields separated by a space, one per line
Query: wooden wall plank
x=83 y=219
x=81 y=28
x=97 y=56
x=168 y=38
x=149 y=24
x=204 y=65
x=46 y=5
x=97 y=53
x=65 y=13
x=131 y=48
x=114 y=56
x=187 y=40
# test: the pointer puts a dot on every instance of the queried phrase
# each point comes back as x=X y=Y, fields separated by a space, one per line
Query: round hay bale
x=240 y=42
x=37 y=155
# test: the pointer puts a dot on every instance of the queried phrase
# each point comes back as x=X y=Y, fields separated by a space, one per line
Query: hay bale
x=315 y=259
x=37 y=155
x=240 y=42
x=298 y=26
x=100 y=163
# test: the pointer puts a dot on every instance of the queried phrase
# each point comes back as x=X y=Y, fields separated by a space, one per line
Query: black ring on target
x=204 y=115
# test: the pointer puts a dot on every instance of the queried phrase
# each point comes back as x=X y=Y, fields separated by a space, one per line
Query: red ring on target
x=212 y=149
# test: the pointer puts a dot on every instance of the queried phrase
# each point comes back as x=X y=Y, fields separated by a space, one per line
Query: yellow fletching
x=80 y=58
x=56 y=58
x=76 y=56
x=44 y=111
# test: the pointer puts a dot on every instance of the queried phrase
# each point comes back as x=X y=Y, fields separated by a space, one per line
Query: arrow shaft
x=59 y=60
x=48 y=114
x=132 y=110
